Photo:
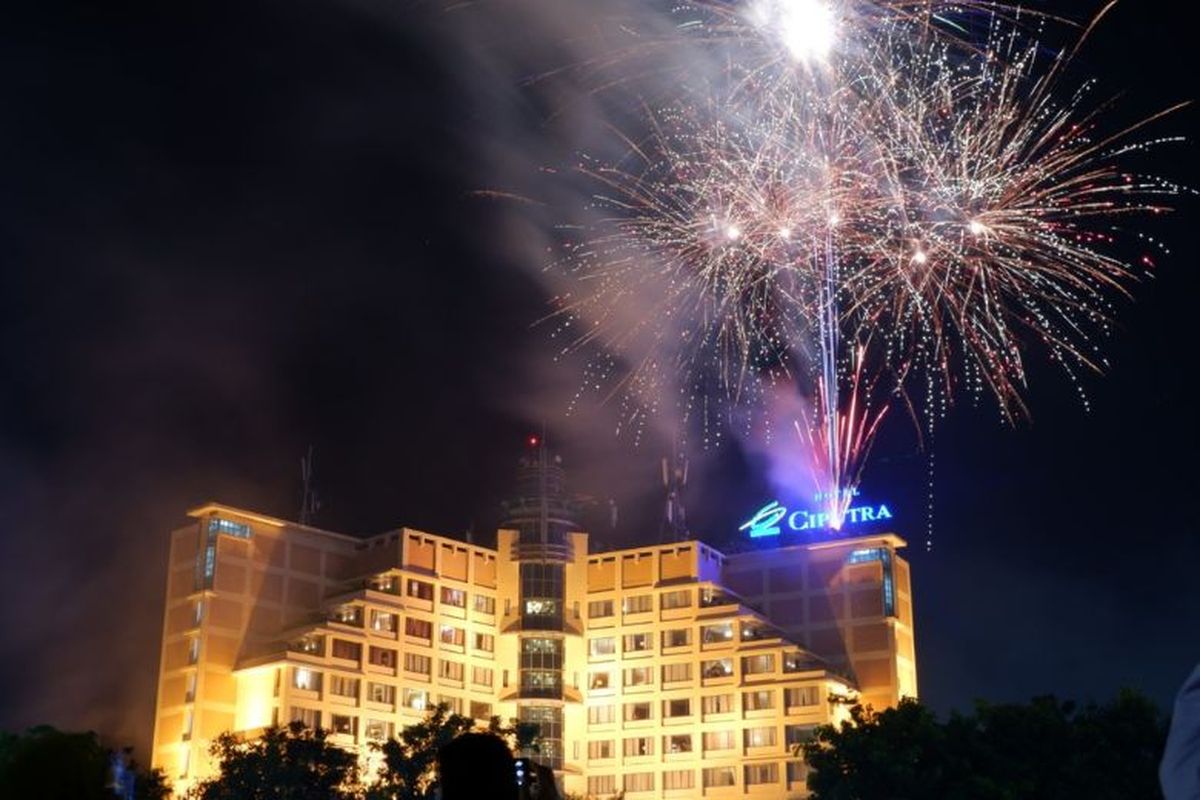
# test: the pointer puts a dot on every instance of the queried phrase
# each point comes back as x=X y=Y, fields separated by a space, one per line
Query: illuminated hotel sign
x=773 y=517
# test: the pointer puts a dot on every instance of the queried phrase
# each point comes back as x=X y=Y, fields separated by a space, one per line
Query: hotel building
x=663 y=671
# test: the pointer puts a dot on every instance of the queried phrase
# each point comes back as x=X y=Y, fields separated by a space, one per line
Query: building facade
x=660 y=671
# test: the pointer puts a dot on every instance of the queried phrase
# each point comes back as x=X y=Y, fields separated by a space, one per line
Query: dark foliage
x=1042 y=750
x=292 y=763
x=49 y=764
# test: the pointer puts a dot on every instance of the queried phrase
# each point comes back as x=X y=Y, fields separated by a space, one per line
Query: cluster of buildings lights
x=659 y=671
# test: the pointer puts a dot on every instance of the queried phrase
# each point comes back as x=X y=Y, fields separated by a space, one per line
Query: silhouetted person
x=477 y=766
x=1179 y=772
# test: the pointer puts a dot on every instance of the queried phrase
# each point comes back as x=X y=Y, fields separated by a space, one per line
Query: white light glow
x=807 y=28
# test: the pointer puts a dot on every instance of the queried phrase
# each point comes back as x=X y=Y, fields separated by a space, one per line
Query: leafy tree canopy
x=1042 y=750
x=408 y=771
x=292 y=763
x=50 y=764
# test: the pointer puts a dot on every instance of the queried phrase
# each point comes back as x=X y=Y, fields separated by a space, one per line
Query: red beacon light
x=533 y=441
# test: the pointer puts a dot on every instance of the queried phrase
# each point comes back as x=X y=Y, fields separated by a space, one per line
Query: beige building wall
x=849 y=601
x=685 y=672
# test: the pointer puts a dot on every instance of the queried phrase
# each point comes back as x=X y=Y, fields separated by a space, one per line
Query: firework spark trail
x=872 y=176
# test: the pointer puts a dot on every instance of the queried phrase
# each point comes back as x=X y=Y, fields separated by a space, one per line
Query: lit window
x=481 y=676
x=676 y=673
x=802 y=696
x=382 y=657
x=794 y=735
x=485 y=604
x=678 y=707
x=418 y=628
x=679 y=779
x=454 y=705
x=308 y=717
x=600 y=608
x=717 y=634
x=420 y=589
x=454 y=597
x=379 y=730
x=189 y=693
x=193 y=650
x=384 y=583
x=419 y=664
x=188 y=717
x=604 y=646
x=760 y=737
x=718 y=776
x=718 y=740
x=758 y=665
x=416 y=699
x=347 y=651
x=758 y=701
x=602 y=715
x=863 y=556
x=347 y=615
x=599 y=785
x=384 y=622
x=343 y=724
x=637 y=604
x=710 y=597
x=677 y=637
x=716 y=668
x=600 y=750
x=450 y=670
x=198 y=613
x=757 y=774
x=754 y=631
x=343 y=686
x=229 y=527
x=639 y=782
x=681 y=598
x=799 y=662
x=449 y=634
x=312 y=645
x=639 y=676
x=717 y=704
x=485 y=642
x=541 y=607
x=381 y=693
x=679 y=743
x=635 y=712
x=306 y=679
x=600 y=680
x=637 y=642
x=639 y=746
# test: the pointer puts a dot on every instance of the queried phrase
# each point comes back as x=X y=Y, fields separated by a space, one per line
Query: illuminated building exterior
x=662 y=671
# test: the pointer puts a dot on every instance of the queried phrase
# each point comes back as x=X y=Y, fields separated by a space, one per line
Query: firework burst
x=866 y=202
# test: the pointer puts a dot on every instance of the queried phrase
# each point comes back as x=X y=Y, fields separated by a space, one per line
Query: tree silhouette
x=1042 y=750
x=50 y=764
x=408 y=770
x=288 y=763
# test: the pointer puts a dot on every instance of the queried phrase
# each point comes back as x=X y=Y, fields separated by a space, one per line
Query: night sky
x=231 y=230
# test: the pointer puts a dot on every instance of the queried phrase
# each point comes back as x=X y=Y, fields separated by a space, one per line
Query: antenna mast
x=674 y=478
x=309 y=504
